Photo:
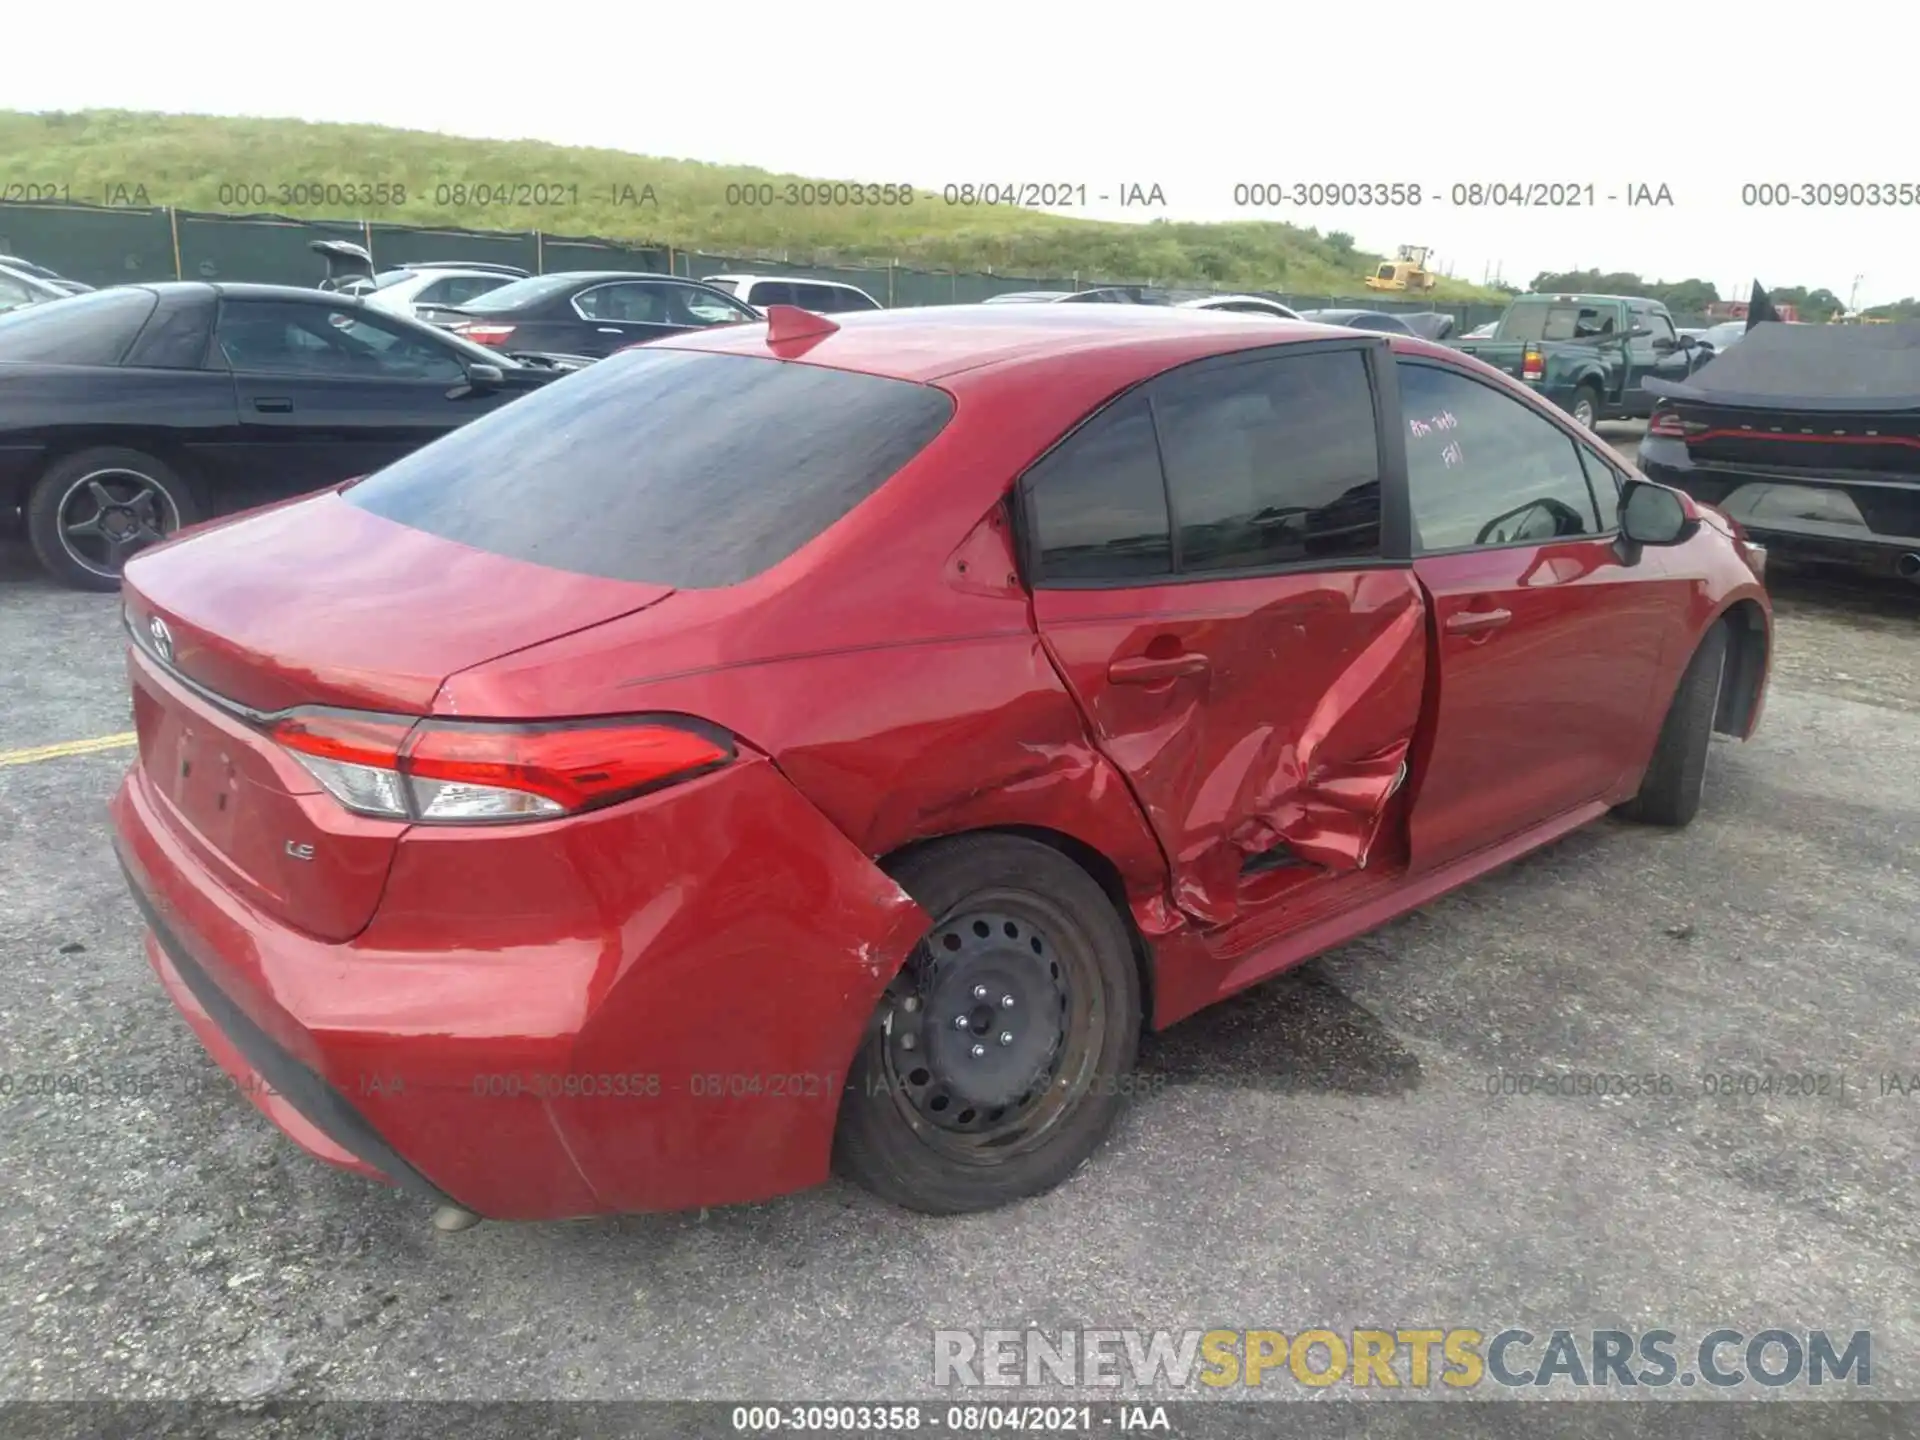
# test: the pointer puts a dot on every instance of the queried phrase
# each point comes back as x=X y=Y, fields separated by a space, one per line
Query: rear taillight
x=485 y=334
x=1667 y=423
x=465 y=772
x=1533 y=365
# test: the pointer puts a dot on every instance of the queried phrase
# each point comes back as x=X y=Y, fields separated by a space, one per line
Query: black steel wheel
x=95 y=510
x=997 y=1058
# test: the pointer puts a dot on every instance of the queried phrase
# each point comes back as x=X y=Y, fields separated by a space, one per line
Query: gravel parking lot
x=1324 y=1153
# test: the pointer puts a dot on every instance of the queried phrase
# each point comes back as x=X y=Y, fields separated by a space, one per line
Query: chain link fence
x=116 y=246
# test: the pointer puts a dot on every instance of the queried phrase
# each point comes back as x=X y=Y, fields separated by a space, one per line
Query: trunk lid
x=323 y=603
x=315 y=603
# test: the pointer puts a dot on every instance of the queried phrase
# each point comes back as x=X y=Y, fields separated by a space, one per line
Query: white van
x=823 y=297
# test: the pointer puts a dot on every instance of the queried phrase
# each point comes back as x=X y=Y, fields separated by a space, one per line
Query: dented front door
x=1249 y=713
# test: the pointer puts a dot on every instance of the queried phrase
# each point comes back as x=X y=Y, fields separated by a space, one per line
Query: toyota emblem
x=162 y=638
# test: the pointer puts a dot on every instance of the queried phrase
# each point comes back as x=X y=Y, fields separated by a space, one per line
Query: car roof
x=929 y=343
x=1583 y=296
x=794 y=279
x=438 y=269
x=610 y=275
x=1205 y=300
x=249 y=290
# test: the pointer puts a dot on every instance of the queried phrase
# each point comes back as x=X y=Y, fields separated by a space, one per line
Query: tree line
x=1691 y=297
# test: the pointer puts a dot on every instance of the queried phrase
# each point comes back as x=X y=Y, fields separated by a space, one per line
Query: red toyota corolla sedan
x=806 y=743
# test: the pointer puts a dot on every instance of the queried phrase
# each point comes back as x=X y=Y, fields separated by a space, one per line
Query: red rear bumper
x=648 y=1008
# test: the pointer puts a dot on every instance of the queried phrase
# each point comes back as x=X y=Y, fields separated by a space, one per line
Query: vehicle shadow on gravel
x=1298 y=1033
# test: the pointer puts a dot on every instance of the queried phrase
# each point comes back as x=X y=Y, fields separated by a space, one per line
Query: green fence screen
x=110 y=246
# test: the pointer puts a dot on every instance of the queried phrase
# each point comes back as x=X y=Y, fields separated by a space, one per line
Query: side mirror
x=1654 y=515
x=482 y=379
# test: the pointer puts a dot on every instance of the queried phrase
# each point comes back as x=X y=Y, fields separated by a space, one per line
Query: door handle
x=1151 y=669
x=610 y=330
x=273 y=405
x=1467 y=620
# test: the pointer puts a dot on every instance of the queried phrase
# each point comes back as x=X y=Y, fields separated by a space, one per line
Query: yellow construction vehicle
x=1407 y=271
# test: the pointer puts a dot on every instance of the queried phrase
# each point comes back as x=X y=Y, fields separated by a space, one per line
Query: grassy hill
x=216 y=163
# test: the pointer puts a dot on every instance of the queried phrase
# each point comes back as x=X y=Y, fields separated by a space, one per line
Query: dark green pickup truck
x=1590 y=354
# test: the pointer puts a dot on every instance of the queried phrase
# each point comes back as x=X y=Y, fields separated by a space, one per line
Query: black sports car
x=1808 y=436
x=129 y=412
x=590 y=312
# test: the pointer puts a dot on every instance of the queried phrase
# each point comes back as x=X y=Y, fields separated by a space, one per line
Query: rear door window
x=1098 y=501
x=1272 y=462
x=667 y=466
x=625 y=302
x=697 y=305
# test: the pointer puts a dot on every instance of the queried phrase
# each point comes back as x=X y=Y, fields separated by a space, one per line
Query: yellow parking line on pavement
x=68 y=747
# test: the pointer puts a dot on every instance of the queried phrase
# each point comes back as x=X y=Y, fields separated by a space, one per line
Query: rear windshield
x=91 y=329
x=670 y=466
x=530 y=291
x=732 y=287
x=1569 y=321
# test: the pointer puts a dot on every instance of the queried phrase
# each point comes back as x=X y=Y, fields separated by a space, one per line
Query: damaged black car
x=1808 y=436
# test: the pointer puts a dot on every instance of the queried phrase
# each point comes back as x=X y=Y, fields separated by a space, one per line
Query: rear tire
x=999 y=1057
x=95 y=509
x=1670 y=792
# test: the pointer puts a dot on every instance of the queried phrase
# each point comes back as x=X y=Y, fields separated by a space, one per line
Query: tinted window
x=772 y=292
x=91 y=329
x=831 y=299
x=458 y=289
x=1569 y=321
x=1098 y=503
x=668 y=466
x=625 y=303
x=289 y=338
x=1273 y=462
x=175 y=338
x=1484 y=469
x=696 y=305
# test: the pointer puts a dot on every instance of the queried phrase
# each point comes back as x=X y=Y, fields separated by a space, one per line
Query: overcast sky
x=1195 y=98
